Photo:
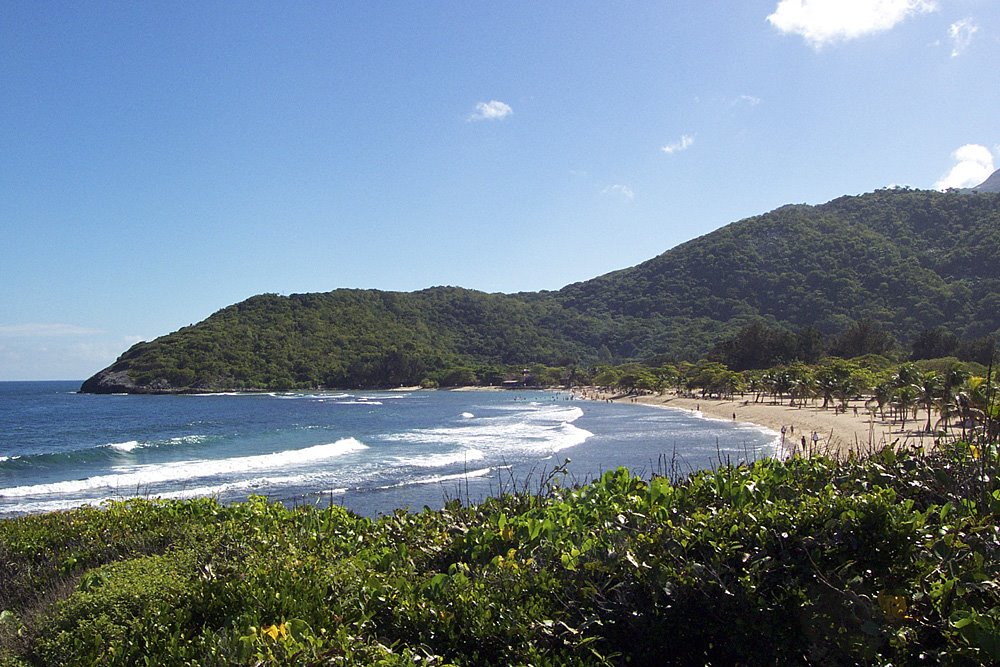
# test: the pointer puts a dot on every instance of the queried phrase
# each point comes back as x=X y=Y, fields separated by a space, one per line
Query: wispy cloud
x=748 y=100
x=35 y=330
x=492 y=110
x=961 y=33
x=822 y=22
x=973 y=165
x=619 y=190
x=28 y=353
x=682 y=144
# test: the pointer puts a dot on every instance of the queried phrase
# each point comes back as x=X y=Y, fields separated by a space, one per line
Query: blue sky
x=160 y=161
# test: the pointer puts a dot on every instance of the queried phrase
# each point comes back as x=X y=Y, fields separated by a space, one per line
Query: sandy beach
x=838 y=434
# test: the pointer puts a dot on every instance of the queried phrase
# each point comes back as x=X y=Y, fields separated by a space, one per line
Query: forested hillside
x=345 y=338
x=909 y=260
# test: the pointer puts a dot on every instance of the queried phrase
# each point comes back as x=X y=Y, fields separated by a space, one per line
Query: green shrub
x=894 y=559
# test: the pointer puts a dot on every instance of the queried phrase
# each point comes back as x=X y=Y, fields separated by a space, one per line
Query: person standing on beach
x=803 y=444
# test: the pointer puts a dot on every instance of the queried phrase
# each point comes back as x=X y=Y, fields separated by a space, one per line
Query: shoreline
x=855 y=432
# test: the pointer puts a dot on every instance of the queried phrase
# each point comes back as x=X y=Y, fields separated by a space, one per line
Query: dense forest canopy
x=874 y=273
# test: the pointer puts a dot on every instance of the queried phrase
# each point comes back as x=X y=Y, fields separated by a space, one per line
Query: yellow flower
x=893 y=606
x=275 y=631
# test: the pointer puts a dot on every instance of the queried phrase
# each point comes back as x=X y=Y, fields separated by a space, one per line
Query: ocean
x=372 y=452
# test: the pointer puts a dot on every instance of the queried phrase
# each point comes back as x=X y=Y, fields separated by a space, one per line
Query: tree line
x=950 y=396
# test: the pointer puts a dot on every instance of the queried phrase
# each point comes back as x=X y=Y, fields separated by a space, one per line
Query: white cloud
x=974 y=164
x=749 y=100
x=684 y=143
x=57 y=351
x=619 y=190
x=961 y=33
x=821 y=22
x=46 y=330
x=492 y=110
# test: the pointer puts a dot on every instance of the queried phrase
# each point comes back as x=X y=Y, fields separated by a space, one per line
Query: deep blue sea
x=369 y=451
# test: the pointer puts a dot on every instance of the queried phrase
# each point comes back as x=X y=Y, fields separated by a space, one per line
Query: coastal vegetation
x=889 y=559
x=951 y=394
x=884 y=273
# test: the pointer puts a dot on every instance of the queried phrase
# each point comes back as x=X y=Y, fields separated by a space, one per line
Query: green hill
x=907 y=259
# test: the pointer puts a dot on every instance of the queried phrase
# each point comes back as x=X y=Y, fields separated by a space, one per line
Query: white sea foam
x=570 y=436
x=243 y=486
x=535 y=429
x=482 y=472
x=359 y=402
x=773 y=448
x=468 y=415
x=440 y=460
x=296 y=396
x=124 y=446
x=141 y=477
x=188 y=440
x=437 y=479
x=132 y=445
x=56 y=505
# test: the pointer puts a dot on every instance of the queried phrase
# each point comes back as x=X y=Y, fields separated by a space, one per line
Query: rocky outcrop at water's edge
x=110 y=381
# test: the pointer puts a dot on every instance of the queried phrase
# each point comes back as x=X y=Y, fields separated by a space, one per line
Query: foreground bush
x=889 y=560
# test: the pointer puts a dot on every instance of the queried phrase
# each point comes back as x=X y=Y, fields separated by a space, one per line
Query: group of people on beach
x=791 y=431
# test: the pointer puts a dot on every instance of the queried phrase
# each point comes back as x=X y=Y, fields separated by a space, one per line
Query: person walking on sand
x=803 y=443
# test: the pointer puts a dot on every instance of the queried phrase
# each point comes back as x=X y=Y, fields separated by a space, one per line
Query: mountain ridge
x=991 y=184
x=909 y=259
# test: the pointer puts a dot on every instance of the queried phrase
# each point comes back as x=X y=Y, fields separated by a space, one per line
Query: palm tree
x=781 y=382
x=973 y=401
x=906 y=389
x=930 y=387
x=947 y=402
x=826 y=386
x=833 y=379
x=755 y=384
x=881 y=396
x=904 y=398
x=769 y=383
x=799 y=383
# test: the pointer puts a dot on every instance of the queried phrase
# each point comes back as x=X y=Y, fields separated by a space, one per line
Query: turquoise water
x=370 y=451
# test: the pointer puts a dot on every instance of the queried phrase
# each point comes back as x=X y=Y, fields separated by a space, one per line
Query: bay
x=372 y=452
